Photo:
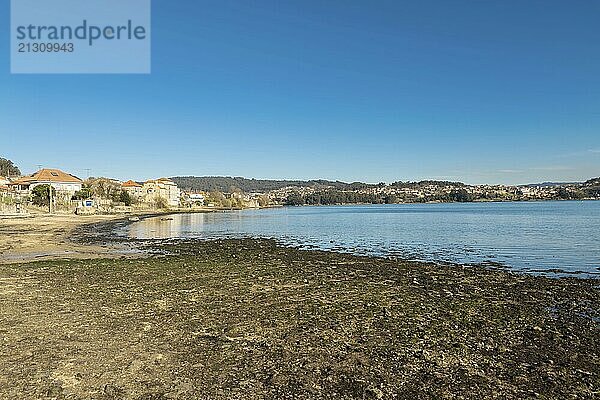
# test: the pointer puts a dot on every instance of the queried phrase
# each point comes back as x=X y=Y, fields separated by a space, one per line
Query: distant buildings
x=4 y=182
x=196 y=198
x=163 y=193
x=70 y=191
x=154 y=190
x=135 y=190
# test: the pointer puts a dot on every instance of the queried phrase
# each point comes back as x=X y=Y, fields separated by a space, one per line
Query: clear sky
x=478 y=91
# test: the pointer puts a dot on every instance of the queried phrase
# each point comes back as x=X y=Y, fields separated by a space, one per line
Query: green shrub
x=41 y=195
x=160 y=203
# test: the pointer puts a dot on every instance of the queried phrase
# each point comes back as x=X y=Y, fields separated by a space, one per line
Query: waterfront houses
x=102 y=193
x=135 y=189
x=162 y=188
x=65 y=185
x=196 y=198
x=153 y=191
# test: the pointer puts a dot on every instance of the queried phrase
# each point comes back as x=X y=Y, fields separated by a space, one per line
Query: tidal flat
x=249 y=319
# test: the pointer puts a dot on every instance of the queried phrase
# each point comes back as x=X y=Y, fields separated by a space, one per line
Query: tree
x=460 y=195
x=236 y=202
x=83 y=194
x=226 y=203
x=216 y=198
x=41 y=195
x=104 y=188
x=125 y=198
x=160 y=203
x=563 y=194
x=295 y=199
x=8 y=168
x=390 y=199
x=263 y=200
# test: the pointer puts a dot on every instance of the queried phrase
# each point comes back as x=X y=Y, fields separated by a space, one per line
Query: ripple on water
x=551 y=237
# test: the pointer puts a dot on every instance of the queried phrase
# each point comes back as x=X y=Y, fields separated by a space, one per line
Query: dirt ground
x=247 y=319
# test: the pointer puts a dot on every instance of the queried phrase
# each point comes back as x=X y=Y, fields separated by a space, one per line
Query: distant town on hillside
x=315 y=192
x=55 y=190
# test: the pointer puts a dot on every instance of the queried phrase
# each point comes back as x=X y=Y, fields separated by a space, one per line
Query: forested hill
x=592 y=182
x=229 y=184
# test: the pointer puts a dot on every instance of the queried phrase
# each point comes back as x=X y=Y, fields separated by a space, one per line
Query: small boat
x=134 y=219
x=166 y=219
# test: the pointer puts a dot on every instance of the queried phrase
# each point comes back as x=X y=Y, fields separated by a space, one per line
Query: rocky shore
x=248 y=319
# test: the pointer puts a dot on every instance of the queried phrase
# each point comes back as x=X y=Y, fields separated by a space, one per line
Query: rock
x=113 y=391
x=373 y=393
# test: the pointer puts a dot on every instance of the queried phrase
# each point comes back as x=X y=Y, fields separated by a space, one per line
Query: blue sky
x=477 y=91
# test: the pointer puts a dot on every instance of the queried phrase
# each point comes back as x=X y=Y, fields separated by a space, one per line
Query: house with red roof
x=62 y=182
x=162 y=188
x=134 y=189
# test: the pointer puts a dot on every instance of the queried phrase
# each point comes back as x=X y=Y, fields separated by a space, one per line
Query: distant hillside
x=229 y=184
x=593 y=182
x=552 y=184
x=420 y=184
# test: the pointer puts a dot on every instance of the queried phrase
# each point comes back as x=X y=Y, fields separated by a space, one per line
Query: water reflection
x=523 y=236
x=178 y=225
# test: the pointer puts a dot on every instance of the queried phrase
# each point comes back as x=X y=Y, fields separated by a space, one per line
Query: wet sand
x=49 y=237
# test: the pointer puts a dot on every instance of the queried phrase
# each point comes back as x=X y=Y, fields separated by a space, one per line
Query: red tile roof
x=47 y=175
x=131 y=183
x=161 y=180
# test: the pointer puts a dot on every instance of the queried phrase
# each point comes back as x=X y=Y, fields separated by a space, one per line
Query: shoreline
x=93 y=236
x=34 y=237
x=435 y=202
x=46 y=237
x=554 y=272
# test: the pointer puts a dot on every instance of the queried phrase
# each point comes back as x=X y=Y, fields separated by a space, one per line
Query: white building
x=196 y=198
x=161 y=188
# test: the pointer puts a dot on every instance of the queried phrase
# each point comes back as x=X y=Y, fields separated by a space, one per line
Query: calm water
x=534 y=237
